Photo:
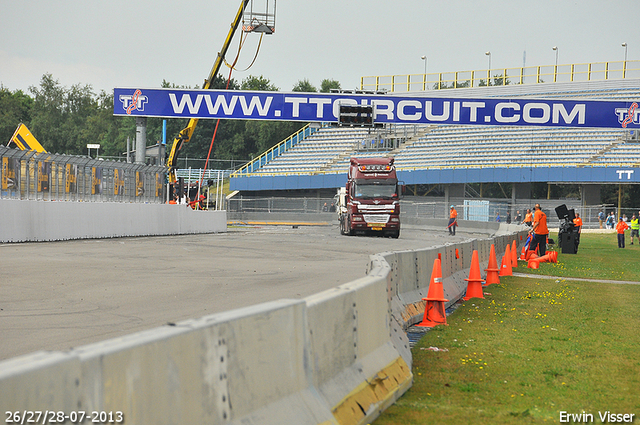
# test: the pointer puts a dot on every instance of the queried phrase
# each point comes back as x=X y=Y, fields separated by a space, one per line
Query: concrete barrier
x=410 y=272
x=337 y=357
x=31 y=221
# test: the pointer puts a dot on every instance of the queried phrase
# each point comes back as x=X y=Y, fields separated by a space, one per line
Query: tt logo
x=132 y=102
x=629 y=173
x=628 y=116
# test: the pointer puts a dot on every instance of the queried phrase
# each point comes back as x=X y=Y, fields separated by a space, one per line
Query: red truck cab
x=370 y=201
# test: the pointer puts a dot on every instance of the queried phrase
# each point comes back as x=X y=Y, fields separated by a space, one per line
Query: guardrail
x=29 y=175
x=337 y=357
x=503 y=76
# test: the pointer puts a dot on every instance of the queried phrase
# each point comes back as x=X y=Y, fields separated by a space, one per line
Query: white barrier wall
x=30 y=221
x=337 y=357
x=411 y=272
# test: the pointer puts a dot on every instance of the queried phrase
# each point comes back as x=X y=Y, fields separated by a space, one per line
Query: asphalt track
x=59 y=295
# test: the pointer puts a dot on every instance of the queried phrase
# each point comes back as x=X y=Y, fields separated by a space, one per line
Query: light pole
x=424 y=81
x=555 y=69
x=489 y=69
x=624 y=64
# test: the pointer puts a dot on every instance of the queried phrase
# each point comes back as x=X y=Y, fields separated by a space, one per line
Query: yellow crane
x=26 y=141
x=185 y=134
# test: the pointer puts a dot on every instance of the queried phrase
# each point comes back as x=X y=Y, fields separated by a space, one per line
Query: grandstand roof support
x=452 y=191
x=141 y=139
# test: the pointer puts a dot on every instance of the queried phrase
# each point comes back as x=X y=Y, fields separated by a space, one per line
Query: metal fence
x=54 y=177
x=486 y=210
x=590 y=219
x=596 y=71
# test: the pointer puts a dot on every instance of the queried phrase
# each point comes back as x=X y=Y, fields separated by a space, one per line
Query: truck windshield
x=374 y=191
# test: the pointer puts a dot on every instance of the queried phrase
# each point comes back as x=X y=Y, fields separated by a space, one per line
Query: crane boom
x=185 y=134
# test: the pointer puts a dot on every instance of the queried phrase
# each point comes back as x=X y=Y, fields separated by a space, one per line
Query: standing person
x=635 y=228
x=498 y=216
x=610 y=221
x=453 y=220
x=620 y=228
x=601 y=218
x=518 y=217
x=539 y=231
x=528 y=218
x=577 y=222
x=508 y=217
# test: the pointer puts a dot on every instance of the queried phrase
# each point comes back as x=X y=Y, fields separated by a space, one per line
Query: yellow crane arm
x=185 y=134
x=26 y=141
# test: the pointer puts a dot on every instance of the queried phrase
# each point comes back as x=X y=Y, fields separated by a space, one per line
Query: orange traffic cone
x=550 y=257
x=434 y=313
x=514 y=254
x=474 y=287
x=505 y=268
x=523 y=254
x=492 y=268
x=532 y=254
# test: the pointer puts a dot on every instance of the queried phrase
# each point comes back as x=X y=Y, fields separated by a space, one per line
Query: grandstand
x=321 y=159
x=470 y=146
x=328 y=150
x=317 y=152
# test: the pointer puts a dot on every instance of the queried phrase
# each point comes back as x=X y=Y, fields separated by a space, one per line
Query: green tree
x=65 y=120
x=258 y=83
x=15 y=108
x=454 y=85
x=327 y=85
x=304 y=86
x=498 y=80
x=109 y=131
x=49 y=115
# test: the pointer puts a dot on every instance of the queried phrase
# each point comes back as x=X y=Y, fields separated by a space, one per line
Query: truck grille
x=377 y=218
x=387 y=208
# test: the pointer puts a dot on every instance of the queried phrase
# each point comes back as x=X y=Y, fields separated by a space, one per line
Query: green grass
x=533 y=348
x=598 y=257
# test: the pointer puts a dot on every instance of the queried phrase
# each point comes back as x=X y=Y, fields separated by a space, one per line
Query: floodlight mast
x=185 y=135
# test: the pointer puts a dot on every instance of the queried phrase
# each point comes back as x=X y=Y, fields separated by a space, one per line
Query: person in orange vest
x=528 y=218
x=453 y=221
x=620 y=228
x=539 y=231
x=577 y=223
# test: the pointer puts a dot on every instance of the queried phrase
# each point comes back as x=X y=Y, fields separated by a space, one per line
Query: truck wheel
x=349 y=230
x=396 y=234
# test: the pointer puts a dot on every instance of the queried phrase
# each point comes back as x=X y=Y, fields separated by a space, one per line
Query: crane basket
x=260 y=17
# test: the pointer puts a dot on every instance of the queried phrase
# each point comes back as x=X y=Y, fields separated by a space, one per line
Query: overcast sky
x=138 y=43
